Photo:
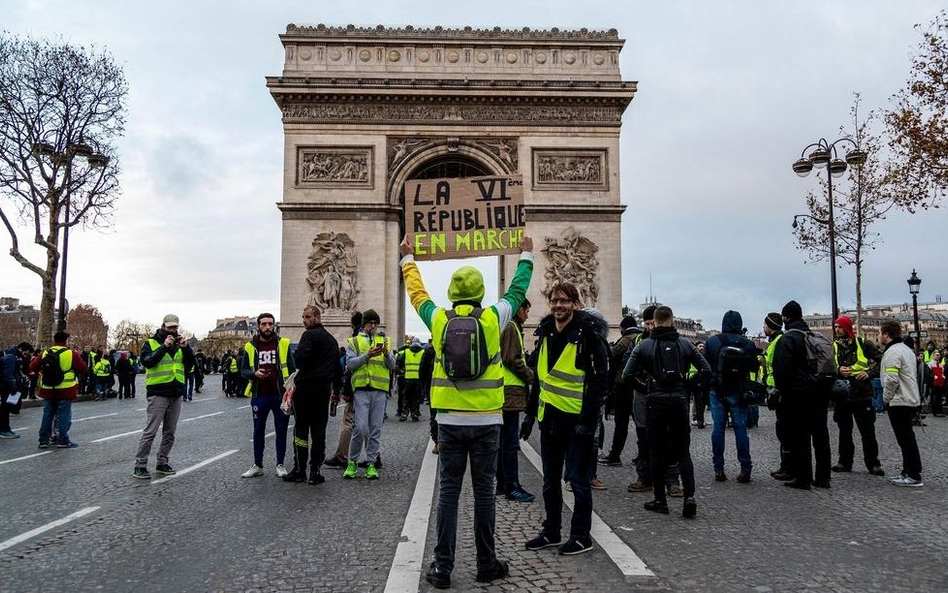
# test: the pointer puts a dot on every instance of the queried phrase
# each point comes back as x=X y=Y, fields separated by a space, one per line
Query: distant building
x=16 y=316
x=932 y=318
x=234 y=327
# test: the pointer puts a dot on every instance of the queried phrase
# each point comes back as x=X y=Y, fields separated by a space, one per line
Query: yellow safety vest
x=373 y=374
x=561 y=386
x=413 y=364
x=65 y=363
x=168 y=368
x=283 y=355
x=862 y=363
x=769 y=360
x=232 y=366
x=510 y=378
x=483 y=395
x=101 y=368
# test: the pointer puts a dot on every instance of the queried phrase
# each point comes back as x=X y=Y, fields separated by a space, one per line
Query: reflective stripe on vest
x=232 y=366
x=510 y=378
x=373 y=374
x=65 y=363
x=862 y=363
x=485 y=394
x=413 y=363
x=168 y=368
x=101 y=368
x=283 y=354
x=561 y=386
x=769 y=360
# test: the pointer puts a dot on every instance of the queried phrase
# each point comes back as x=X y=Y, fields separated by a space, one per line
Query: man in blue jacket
x=12 y=380
x=732 y=358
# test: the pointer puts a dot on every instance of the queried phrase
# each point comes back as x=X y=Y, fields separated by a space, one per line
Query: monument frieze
x=334 y=166
x=568 y=168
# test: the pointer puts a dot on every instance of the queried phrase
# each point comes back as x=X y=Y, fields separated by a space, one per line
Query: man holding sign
x=467 y=390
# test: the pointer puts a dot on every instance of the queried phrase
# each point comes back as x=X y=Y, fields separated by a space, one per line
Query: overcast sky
x=729 y=94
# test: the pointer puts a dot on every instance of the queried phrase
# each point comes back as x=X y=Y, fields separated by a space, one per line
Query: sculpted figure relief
x=569 y=169
x=332 y=272
x=571 y=257
x=322 y=166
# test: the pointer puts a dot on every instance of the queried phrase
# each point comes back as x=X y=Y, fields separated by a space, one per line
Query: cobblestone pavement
x=210 y=530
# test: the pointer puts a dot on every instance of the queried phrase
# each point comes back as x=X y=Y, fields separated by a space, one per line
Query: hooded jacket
x=592 y=357
x=642 y=360
x=900 y=376
x=790 y=363
x=731 y=327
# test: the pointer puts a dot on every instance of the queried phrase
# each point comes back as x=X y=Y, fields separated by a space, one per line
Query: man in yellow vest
x=858 y=363
x=163 y=358
x=102 y=370
x=773 y=329
x=266 y=364
x=570 y=385
x=409 y=359
x=370 y=361
x=467 y=393
x=517 y=378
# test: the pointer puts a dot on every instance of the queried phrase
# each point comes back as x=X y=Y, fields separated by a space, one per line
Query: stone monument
x=365 y=109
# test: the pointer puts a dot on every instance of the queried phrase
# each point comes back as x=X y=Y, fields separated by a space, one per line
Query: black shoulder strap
x=451 y=314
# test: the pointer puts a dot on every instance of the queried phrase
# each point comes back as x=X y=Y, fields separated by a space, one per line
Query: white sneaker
x=281 y=471
x=254 y=471
x=907 y=481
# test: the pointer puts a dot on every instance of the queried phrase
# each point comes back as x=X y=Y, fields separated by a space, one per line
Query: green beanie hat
x=467 y=284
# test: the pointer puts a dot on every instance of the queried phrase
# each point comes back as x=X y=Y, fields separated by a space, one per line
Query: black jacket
x=642 y=360
x=790 y=364
x=846 y=356
x=317 y=359
x=150 y=358
x=592 y=356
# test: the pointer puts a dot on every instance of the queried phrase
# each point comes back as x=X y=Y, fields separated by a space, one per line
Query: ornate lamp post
x=915 y=283
x=820 y=154
x=66 y=159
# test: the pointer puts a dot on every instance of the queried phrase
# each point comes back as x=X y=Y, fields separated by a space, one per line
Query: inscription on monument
x=555 y=168
x=334 y=166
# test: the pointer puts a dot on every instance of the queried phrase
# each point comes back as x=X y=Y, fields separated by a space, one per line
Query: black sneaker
x=497 y=570
x=165 y=470
x=689 y=508
x=316 y=478
x=334 y=462
x=575 y=546
x=141 y=473
x=543 y=541
x=438 y=577
x=611 y=461
x=378 y=461
x=45 y=445
x=295 y=476
x=657 y=506
x=842 y=469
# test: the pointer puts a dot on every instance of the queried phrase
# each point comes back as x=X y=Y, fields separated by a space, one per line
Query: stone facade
x=365 y=109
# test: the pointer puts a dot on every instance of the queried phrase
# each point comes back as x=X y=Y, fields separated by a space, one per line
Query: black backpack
x=464 y=346
x=51 y=368
x=669 y=370
x=734 y=365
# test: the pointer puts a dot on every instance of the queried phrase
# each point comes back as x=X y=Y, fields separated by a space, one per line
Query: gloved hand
x=585 y=430
x=526 y=427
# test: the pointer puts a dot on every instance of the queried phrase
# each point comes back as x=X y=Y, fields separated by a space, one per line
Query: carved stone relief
x=332 y=272
x=568 y=168
x=504 y=150
x=334 y=166
x=571 y=257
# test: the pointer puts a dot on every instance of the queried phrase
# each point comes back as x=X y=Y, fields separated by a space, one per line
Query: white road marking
x=243 y=407
x=204 y=416
x=22 y=458
x=21 y=428
x=621 y=554
x=95 y=417
x=44 y=528
x=194 y=467
x=405 y=574
x=116 y=436
x=140 y=409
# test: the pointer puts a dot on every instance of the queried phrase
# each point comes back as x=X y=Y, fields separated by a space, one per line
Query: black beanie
x=369 y=316
x=774 y=321
x=648 y=313
x=627 y=322
x=792 y=310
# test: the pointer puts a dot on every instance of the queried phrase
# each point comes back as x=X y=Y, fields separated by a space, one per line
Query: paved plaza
x=75 y=520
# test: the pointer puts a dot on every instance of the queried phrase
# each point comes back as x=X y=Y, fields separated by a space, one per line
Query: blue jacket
x=731 y=328
x=11 y=380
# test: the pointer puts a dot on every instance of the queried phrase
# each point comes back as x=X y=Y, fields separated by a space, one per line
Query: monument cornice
x=311 y=84
x=384 y=211
x=442 y=34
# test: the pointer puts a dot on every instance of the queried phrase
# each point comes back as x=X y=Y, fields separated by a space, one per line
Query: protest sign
x=466 y=217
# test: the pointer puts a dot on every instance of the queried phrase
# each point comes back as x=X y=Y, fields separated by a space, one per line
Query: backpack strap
x=451 y=314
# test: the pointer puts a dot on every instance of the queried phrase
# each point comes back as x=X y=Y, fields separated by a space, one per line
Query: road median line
x=196 y=466
x=44 y=528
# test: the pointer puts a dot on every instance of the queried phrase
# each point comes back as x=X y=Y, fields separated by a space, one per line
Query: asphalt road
x=75 y=519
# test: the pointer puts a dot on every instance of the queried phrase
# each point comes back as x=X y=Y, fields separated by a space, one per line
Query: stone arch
x=431 y=152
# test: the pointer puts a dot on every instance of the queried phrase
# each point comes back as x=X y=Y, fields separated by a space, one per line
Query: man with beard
x=266 y=364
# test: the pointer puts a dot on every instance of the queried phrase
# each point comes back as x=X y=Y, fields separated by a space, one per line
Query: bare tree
x=87 y=326
x=130 y=335
x=918 y=123
x=862 y=201
x=62 y=108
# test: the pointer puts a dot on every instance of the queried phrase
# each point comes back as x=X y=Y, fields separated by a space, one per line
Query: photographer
x=163 y=358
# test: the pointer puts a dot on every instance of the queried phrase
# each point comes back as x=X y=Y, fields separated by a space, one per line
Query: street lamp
x=914 y=283
x=95 y=160
x=823 y=154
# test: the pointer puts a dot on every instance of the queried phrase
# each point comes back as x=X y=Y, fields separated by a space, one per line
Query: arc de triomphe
x=365 y=109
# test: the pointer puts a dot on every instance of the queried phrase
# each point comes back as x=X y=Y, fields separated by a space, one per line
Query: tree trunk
x=47 y=325
x=858 y=297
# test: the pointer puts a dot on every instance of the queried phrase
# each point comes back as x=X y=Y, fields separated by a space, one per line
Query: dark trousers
x=807 y=414
x=865 y=419
x=311 y=407
x=699 y=406
x=4 y=416
x=560 y=446
x=938 y=398
x=457 y=444
x=412 y=390
x=508 y=463
x=623 y=413
x=261 y=406
x=433 y=423
x=901 y=418
x=126 y=382
x=784 y=436
x=669 y=440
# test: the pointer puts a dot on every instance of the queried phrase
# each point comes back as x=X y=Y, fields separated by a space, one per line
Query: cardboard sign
x=466 y=217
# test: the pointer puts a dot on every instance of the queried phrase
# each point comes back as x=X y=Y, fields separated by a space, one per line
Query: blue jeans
x=508 y=463
x=189 y=386
x=877 y=402
x=719 y=410
x=261 y=407
x=62 y=409
x=456 y=444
